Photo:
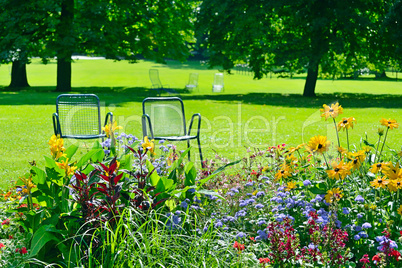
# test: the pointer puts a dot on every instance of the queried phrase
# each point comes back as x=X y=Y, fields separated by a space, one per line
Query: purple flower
x=356 y=237
x=261 y=222
x=366 y=225
x=218 y=224
x=250 y=183
x=240 y=235
x=260 y=193
x=258 y=206
x=306 y=183
x=363 y=234
x=359 y=215
x=345 y=210
x=359 y=198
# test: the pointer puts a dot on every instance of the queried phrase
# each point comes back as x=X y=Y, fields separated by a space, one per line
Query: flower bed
x=133 y=203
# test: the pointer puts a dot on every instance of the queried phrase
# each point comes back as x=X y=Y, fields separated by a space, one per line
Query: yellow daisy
x=335 y=194
x=379 y=182
x=346 y=123
x=390 y=123
x=318 y=144
x=331 y=111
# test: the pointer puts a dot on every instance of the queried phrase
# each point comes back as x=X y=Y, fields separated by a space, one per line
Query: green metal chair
x=78 y=117
x=157 y=84
x=192 y=82
x=164 y=119
x=218 y=85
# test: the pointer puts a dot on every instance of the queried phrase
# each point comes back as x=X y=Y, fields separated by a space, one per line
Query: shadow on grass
x=121 y=95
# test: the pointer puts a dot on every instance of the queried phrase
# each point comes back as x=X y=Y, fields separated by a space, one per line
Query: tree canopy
x=294 y=34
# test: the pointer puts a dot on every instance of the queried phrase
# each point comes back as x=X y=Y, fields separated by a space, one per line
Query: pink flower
x=2 y=245
x=6 y=222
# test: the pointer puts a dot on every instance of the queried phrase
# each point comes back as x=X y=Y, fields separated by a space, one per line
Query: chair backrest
x=217 y=86
x=79 y=114
x=154 y=77
x=193 y=79
x=166 y=115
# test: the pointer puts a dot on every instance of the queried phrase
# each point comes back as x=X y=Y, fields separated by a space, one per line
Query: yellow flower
x=339 y=171
x=294 y=149
x=290 y=186
x=399 y=210
x=335 y=194
x=373 y=207
x=331 y=111
x=391 y=171
x=346 y=123
x=379 y=182
x=341 y=150
x=56 y=145
x=393 y=185
x=148 y=145
x=284 y=173
x=68 y=169
x=28 y=185
x=357 y=159
x=109 y=129
x=318 y=144
x=390 y=123
x=367 y=149
x=377 y=167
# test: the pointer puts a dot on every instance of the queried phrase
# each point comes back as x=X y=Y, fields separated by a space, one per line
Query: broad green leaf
x=71 y=151
x=191 y=174
x=171 y=204
x=154 y=177
x=173 y=175
x=39 y=177
x=84 y=160
x=97 y=145
x=41 y=237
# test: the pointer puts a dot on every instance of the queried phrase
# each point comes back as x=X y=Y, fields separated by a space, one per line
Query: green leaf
x=191 y=174
x=84 y=160
x=216 y=172
x=50 y=162
x=71 y=151
x=173 y=175
x=171 y=204
x=41 y=237
x=40 y=175
x=319 y=188
x=209 y=192
x=154 y=177
x=97 y=146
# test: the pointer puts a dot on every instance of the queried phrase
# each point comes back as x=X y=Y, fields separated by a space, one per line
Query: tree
x=23 y=27
x=119 y=29
x=296 y=34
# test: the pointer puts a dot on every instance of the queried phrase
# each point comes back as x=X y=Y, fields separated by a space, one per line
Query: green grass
x=250 y=113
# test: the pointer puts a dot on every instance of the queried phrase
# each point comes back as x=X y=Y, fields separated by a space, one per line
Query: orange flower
x=339 y=171
x=318 y=144
x=331 y=111
x=390 y=123
x=346 y=123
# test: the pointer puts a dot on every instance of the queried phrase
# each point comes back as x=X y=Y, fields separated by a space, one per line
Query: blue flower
x=261 y=235
x=345 y=210
x=240 y=235
x=161 y=141
x=258 y=206
x=230 y=193
x=356 y=237
x=363 y=234
x=306 y=183
x=261 y=222
x=250 y=183
x=366 y=225
x=357 y=228
x=218 y=224
x=260 y=193
x=234 y=190
x=359 y=198
x=359 y=215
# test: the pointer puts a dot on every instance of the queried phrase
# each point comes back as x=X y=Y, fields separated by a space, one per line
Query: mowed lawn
x=250 y=113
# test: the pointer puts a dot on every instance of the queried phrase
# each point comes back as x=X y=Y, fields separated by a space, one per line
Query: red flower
x=395 y=253
x=6 y=222
x=10 y=237
x=2 y=245
x=23 y=250
x=400 y=232
x=254 y=172
x=252 y=238
x=376 y=258
x=365 y=259
x=238 y=246
x=264 y=260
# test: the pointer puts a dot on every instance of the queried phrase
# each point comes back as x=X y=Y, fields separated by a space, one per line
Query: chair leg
x=199 y=148
x=188 y=146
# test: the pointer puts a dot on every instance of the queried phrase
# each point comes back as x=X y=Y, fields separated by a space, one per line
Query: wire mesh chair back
x=154 y=77
x=166 y=115
x=192 y=81
x=79 y=115
x=218 y=83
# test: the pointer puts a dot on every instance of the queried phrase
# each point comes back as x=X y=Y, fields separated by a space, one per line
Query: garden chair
x=164 y=119
x=78 y=117
x=192 y=82
x=217 y=86
x=157 y=84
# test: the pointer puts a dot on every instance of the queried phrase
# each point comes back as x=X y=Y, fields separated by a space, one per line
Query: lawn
x=248 y=114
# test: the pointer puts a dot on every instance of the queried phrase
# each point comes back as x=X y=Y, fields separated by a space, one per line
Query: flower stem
x=326 y=162
x=337 y=136
x=376 y=150
x=383 y=143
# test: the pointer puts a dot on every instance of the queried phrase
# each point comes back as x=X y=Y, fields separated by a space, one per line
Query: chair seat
x=84 y=137
x=176 y=138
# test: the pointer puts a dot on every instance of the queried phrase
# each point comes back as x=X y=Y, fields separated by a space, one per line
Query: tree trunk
x=19 y=74
x=66 y=45
x=311 y=80
x=63 y=74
